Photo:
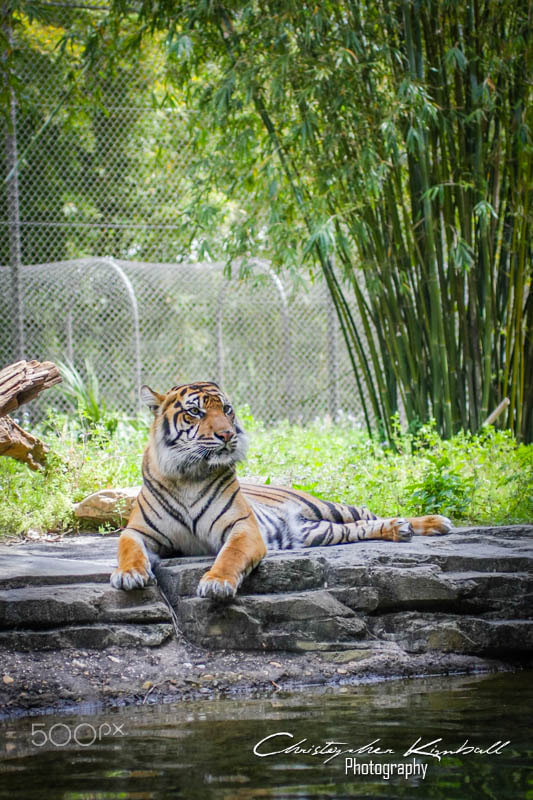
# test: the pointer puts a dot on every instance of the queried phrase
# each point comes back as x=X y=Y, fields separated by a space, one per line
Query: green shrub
x=440 y=488
x=485 y=478
x=84 y=394
x=77 y=465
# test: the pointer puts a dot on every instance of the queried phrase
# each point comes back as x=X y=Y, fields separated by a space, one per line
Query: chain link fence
x=94 y=181
x=84 y=181
x=113 y=176
x=273 y=348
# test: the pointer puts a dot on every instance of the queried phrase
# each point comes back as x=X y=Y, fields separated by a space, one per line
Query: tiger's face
x=195 y=429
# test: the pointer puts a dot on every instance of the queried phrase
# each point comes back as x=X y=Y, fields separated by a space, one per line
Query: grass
x=81 y=461
x=485 y=478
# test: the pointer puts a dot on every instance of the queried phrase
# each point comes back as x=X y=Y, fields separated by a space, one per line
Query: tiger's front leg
x=243 y=551
x=134 y=570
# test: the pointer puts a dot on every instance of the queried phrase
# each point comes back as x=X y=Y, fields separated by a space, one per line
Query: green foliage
x=77 y=465
x=486 y=478
x=84 y=393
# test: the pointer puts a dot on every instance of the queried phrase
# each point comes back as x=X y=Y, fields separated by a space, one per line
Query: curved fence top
x=274 y=347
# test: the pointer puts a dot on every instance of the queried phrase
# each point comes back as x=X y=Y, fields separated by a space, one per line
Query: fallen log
x=18 y=443
x=24 y=380
x=20 y=383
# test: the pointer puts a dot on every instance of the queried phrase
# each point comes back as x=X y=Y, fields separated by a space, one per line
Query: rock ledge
x=374 y=609
x=470 y=592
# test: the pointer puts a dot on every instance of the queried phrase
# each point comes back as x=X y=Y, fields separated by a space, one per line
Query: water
x=204 y=750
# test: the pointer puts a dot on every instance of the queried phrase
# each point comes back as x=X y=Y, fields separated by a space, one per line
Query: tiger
x=192 y=503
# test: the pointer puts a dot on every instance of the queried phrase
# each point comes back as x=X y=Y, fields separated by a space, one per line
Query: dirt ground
x=42 y=682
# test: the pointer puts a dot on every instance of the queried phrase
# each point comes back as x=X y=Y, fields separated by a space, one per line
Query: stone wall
x=468 y=593
x=56 y=595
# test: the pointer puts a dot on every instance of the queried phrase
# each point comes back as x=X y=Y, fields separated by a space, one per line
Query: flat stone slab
x=50 y=606
x=74 y=559
x=95 y=636
x=23 y=570
x=470 y=593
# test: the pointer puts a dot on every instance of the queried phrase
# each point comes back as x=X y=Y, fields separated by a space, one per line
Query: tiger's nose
x=225 y=436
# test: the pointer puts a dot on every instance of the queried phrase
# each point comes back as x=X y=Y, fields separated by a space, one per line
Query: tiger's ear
x=152 y=399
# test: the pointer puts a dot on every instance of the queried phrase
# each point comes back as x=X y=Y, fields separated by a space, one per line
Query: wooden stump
x=20 y=383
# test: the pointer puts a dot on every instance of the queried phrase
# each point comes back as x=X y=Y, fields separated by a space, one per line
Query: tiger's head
x=195 y=430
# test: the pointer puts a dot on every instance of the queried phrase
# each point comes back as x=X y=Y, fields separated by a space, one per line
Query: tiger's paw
x=431 y=525
x=132 y=578
x=216 y=588
x=402 y=530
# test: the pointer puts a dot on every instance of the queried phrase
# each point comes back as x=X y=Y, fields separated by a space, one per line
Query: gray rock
x=50 y=606
x=98 y=637
x=469 y=593
x=273 y=622
x=45 y=607
x=74 y=559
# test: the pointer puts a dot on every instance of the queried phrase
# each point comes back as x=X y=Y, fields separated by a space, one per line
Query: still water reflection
x=205 y=749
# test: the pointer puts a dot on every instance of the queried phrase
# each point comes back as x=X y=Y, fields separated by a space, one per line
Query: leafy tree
x=99 y=158
x=395 y=136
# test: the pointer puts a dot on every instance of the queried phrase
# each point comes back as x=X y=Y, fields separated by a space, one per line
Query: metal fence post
x=287 y=343
x=220 y=342
x=135 y=316
x=333 y=364
x=68 y=327
x=17 y=310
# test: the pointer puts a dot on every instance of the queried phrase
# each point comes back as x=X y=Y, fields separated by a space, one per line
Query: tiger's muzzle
x=225 y=436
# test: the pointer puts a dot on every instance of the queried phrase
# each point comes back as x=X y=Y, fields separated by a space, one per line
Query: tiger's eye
x=194 y=410
x=227 y=410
